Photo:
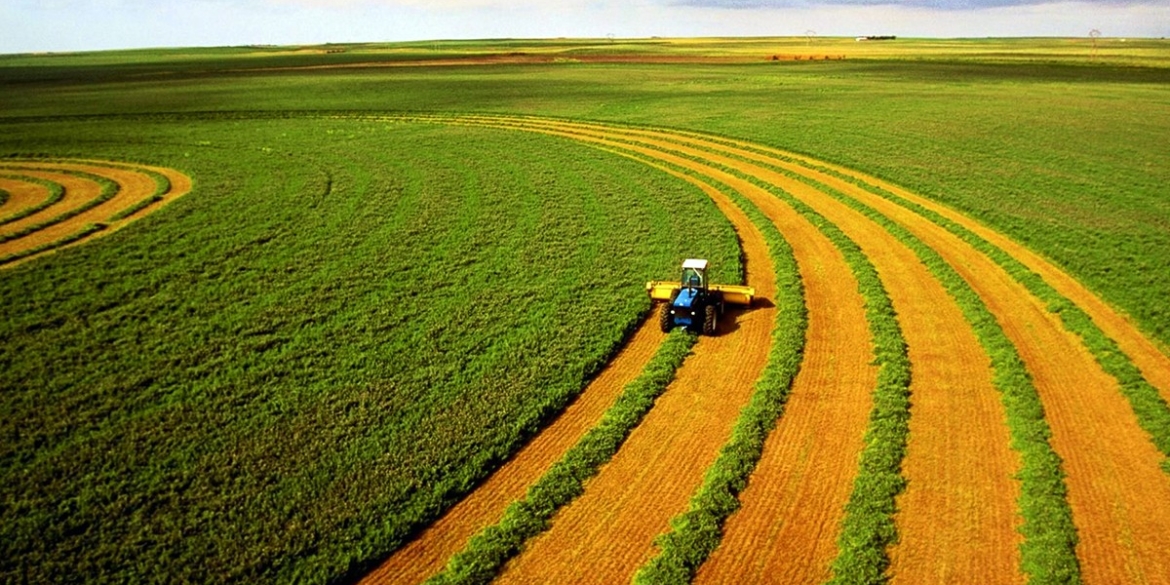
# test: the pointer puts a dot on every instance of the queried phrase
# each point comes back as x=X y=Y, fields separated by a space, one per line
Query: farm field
x=379 y=313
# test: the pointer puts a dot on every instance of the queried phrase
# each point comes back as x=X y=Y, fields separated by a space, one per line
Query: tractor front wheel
x=665 y=320
x=710 y=320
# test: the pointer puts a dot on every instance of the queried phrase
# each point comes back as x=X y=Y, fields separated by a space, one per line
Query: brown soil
x=22 y=195
x=609 y=530
x=424 y=556
x=133 y=187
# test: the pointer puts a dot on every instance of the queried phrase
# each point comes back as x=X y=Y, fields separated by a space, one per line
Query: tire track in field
x=78 y=217
x=426 y=555
x=967 y=530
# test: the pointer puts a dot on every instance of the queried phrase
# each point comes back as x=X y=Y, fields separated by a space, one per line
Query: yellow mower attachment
x=733 y=294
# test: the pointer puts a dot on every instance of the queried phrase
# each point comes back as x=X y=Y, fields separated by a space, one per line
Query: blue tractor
x=693 y=302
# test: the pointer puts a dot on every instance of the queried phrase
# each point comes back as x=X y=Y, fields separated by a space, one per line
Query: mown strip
x=1152 y=412
x=56 y=194
x=163 y=187
x=868 y=526
x=697 y=532
x=868 y=529
x=85 y=232
x=488 y=551
x=108 y=190
x=1048 y=553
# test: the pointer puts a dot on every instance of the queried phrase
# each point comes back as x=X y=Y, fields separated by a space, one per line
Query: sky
x=79 y=25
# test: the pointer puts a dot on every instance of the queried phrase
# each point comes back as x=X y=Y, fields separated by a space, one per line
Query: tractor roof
x=695 y=263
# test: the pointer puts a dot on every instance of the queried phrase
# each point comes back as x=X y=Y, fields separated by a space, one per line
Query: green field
x=350 y=321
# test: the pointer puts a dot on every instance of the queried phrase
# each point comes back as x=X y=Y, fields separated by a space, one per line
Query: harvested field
x=611 y=527
x=88 y=207
x=399 y=331
x=962 y=487
x=425 y=556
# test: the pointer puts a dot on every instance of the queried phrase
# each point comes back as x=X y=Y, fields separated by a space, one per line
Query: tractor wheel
x=710 y=320
x=665 y=320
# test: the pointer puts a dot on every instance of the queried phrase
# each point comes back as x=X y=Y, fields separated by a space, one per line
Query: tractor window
x=692 y=278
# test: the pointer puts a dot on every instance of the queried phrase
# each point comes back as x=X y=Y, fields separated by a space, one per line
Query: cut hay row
x=59 y=203
x=943 y=460
x=1114 y=486
x=27 y=195
x=426 y=555
x=611 y=527
x=843 y=404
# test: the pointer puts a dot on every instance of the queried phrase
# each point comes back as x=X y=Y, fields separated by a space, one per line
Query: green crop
x=315 y=352
x=220 y=391
x=492 y=547
x=696 y=533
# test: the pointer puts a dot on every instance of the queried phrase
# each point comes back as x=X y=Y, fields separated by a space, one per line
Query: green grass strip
x=868 y=527
x=1048 y=553
x=696 y=533
x=87 y=231
x=3 y=197
x=488 y=551
x=108 y=190
x=1152 y=412
x=56 y=194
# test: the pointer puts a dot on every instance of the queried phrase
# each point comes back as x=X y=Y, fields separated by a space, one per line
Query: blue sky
x=74 y=25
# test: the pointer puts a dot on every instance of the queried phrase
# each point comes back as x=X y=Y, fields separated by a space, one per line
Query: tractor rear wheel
x=710 y=320
x=665 y=320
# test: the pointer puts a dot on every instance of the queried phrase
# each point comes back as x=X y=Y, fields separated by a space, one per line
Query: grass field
x=357 y=314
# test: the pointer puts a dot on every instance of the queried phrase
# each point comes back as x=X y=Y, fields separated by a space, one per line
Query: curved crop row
x=1025 y=417
x=53 y=192
x=85 y=198
x=493 y=546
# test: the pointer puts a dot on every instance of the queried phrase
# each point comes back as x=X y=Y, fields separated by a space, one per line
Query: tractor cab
x=694 y=274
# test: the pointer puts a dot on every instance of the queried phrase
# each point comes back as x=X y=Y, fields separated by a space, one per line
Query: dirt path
x=610 y=528
x=22 y=195
x=428 y=553
x=134 y=186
